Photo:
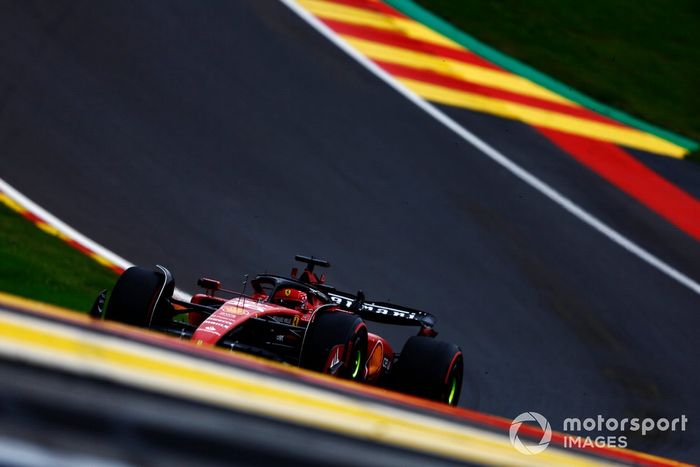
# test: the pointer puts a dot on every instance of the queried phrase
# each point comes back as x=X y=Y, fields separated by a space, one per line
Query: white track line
x=70 y=232
x=61 y=226
x=495 y=155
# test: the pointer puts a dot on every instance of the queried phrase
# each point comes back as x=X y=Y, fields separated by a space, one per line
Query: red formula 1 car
x=299 y=320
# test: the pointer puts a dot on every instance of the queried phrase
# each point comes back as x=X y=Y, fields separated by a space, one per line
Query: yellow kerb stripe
x=464 y=71
x=479 y=75
x=142 y=366
x=29 y=305
x=51 y=230
x=361 y=17
x=10 y=203
x=539 y=117
x=102 y=260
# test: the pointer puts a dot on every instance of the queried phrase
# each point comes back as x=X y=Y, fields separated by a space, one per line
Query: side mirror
x=210 y=285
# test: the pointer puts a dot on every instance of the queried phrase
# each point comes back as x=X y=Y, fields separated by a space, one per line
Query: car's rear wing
x=382 y=312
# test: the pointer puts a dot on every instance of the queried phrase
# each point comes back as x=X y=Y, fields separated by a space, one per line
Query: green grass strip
x=36 y=265
x=420 y=14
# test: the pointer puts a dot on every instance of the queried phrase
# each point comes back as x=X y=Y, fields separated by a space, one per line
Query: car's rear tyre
x=430 y=369
x=140 y=297
x=336 y=343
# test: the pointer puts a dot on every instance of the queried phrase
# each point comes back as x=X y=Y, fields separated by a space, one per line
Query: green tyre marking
x=356 y=371
x=453 y=390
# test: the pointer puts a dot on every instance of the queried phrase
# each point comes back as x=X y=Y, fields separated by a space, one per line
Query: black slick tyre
x=336 y=343
x=430 y=369
x=139 y=297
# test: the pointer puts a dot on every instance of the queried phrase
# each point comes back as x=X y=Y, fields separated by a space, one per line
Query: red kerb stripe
x=457 y=84
x=374 y=6
x=397 y=39
x=634 y=178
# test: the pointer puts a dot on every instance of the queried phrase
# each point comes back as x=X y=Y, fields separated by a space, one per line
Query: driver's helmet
x=291 y=298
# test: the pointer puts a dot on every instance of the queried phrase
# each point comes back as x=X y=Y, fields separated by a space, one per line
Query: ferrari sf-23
x=299 y=320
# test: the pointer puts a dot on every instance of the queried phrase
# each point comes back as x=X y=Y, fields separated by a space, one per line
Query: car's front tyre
x=140 y=297
x=336 y=343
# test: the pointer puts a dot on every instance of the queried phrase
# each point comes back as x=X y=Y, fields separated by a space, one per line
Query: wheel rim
x=357 y=364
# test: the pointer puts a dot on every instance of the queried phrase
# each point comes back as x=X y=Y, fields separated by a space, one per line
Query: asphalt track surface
x=222 y=140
